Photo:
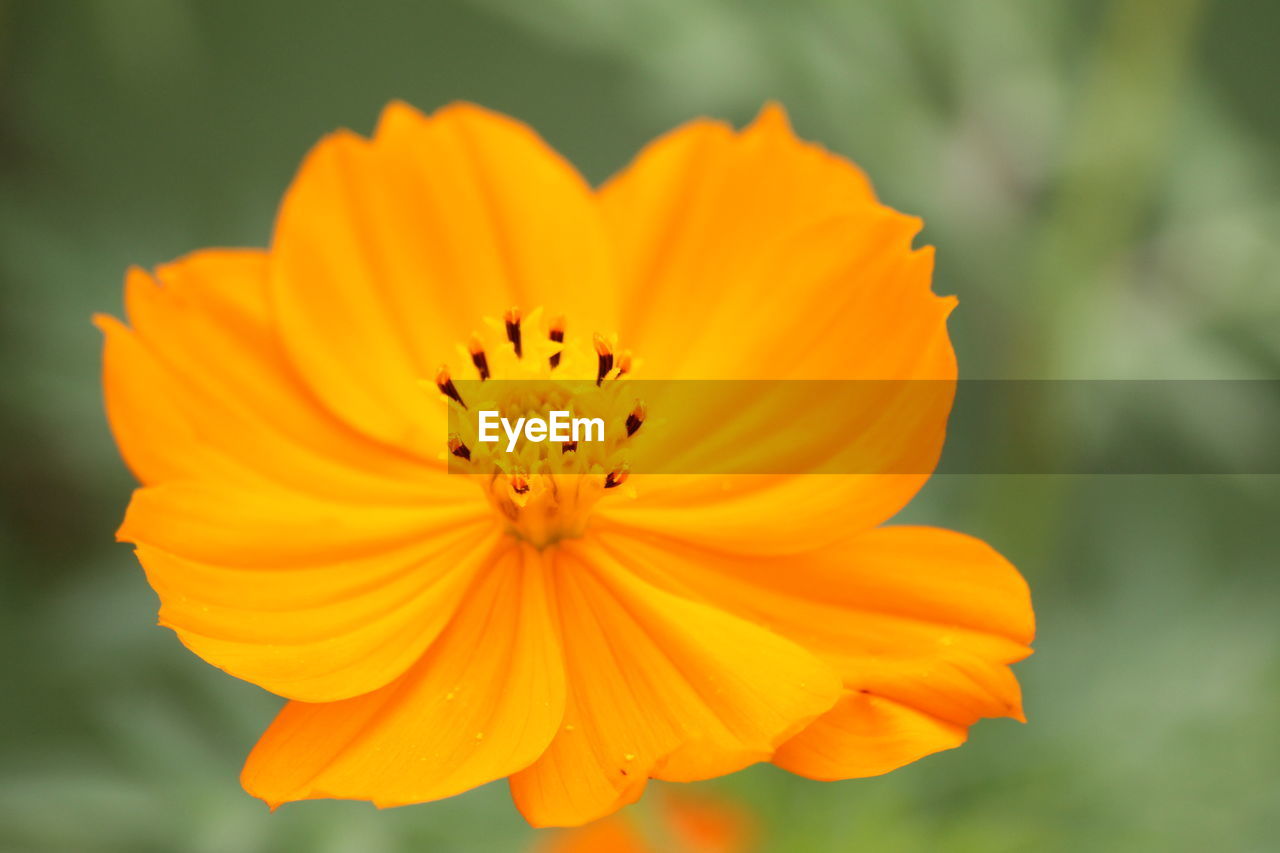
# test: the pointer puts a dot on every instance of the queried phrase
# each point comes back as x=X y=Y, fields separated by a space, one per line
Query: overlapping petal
x=921 y=624
x=659 y=685
x=389 y=252
x=307 y=598
x=286 y=547
x=754 y=255
x=198 y=387
x=866 y=735
x=482 y=703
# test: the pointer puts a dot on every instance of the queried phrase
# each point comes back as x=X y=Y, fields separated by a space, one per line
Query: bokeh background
x=1100 y=179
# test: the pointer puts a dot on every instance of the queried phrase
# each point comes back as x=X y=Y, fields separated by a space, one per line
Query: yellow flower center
x=527 y=367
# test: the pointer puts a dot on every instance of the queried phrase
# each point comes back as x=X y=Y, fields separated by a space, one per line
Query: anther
x=556 y=334
x=605 y=354
x=618 y=477
x=519 y=483
x=457 y=448
x=624 y=363
x=569 y=447
x=446 y=386
x=512 y=319
x=478 y=357
x=635 y=419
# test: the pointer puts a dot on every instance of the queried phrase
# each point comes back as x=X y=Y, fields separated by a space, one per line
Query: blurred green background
x=1100 y=179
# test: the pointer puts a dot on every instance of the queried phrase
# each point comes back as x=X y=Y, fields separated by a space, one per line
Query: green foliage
x=1099 y=178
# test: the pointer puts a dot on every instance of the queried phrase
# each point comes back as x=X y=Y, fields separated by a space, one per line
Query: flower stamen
x=445 y=383
x=556 y=334
x=457 y=448
x=512 y=320
x=617 y=477
x=604 y=354
x=478 y=357
x=635 y=419
x=544 y=488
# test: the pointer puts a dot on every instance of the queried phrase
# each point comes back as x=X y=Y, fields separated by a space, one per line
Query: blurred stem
x=1110 y=165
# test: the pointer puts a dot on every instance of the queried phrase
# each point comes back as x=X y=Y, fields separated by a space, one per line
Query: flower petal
x=307 y=599
x=416 y=236
x=200 y=388
x=756 y=515
x=866 y=735
x=756 y=256
x=227 y=523
x=925 y=619
x=481 y=704
x=659 y=686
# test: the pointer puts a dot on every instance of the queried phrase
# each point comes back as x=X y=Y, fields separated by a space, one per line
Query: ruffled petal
x=199 y=387
x=308 y=599
x=482 y=703
x=924 y=620
x=866 y=735
x=754 y=255
x=659 y=686
x=389 y=253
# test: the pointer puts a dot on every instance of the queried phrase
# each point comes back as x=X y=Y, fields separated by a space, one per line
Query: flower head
x=556 y=621
x=679 y=824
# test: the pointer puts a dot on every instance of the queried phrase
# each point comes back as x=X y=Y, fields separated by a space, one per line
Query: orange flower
x=679 y=825
x=285 y=412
